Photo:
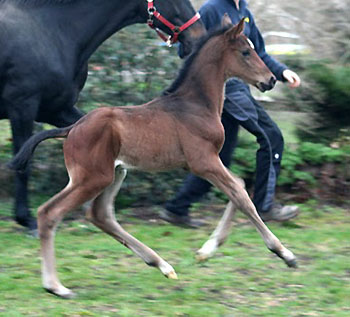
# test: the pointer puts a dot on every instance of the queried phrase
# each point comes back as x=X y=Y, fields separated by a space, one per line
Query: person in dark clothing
x=240 y=108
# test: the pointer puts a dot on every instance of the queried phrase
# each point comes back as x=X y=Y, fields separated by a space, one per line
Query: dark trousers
x=268 y=160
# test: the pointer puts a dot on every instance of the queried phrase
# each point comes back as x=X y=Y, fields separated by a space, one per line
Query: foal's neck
x=205 y=81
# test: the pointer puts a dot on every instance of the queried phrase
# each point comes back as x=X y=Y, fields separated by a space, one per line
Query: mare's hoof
x=34 y=233
x=67 y=294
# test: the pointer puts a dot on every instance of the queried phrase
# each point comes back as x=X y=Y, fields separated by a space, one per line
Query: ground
x=243 y=279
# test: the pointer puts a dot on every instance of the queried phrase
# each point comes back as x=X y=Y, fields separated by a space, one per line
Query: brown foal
x=180 y=129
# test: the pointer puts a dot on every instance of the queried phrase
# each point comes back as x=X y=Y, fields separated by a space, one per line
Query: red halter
x=171 y=39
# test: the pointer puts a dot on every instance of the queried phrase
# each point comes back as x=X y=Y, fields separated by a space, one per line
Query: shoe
x=179 y=220
x=33 y=233
x=27 y=221
x=280 y=213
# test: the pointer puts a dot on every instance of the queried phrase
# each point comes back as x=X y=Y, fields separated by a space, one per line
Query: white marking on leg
x=287 y=254
x=167 y=270
x=207 y=250
x=49 y=279
x=123 y=164
x=219 y=235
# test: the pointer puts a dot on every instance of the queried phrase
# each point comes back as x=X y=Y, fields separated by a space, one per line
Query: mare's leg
x=102 y=215
x=215 y=172
x=22 y=114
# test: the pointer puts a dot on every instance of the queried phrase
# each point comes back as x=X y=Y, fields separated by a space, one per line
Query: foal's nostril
x=272 y=81
x=263 y=86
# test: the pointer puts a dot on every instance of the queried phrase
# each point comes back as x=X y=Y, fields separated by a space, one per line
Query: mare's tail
x=21 y=159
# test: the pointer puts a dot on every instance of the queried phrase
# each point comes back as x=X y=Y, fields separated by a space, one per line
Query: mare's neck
x=88 y=23
x=205 y=81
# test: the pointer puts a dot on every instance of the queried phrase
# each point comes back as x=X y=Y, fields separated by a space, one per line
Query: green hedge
x=309 y=169
x=325 y=96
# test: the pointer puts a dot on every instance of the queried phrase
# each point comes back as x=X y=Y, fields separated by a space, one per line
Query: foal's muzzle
x=266 y=86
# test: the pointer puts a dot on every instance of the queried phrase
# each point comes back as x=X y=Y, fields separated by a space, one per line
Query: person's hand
x=292 y=78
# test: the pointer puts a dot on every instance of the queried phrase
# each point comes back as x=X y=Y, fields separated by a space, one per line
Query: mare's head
x=181 y=15
x=241 y=59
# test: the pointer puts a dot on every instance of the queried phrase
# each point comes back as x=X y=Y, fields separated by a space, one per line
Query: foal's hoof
x=66 y=293
x=201 y=257
x=33 y=233
x=292 y=263
x=171 y=275
x=207 y=250
x=287 y=256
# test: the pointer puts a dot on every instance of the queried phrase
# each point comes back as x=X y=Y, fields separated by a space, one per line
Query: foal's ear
x=226 y=21
x=236 y=31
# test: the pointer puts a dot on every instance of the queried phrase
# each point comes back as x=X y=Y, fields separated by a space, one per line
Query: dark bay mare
x=180 y=129
x=44 y=50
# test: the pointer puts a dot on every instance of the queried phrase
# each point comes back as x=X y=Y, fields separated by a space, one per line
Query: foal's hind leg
x=216 y=173
x=102 y=215
x=49 y=216
x=219 y=236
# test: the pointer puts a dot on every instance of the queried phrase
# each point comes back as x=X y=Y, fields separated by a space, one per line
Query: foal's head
x=241 y=60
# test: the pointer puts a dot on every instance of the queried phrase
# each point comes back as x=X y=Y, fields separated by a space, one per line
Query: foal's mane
x=190 y=59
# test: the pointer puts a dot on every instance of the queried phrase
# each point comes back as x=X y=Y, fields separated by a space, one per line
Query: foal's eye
x=246 y=53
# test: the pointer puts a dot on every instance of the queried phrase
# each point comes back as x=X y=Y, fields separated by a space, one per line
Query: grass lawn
x=244 y=279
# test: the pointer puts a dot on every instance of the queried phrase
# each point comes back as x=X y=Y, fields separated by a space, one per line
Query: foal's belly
x=146 y=159
x=152 y=151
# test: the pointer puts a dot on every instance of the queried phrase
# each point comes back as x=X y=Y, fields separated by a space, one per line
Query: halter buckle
x=151 y=10
x=169 y=41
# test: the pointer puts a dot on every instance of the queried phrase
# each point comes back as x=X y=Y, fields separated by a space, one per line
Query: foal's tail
x=21 y=159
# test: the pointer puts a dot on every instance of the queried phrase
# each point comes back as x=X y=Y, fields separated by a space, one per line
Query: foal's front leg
x=217 y=174
x=102 y=215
